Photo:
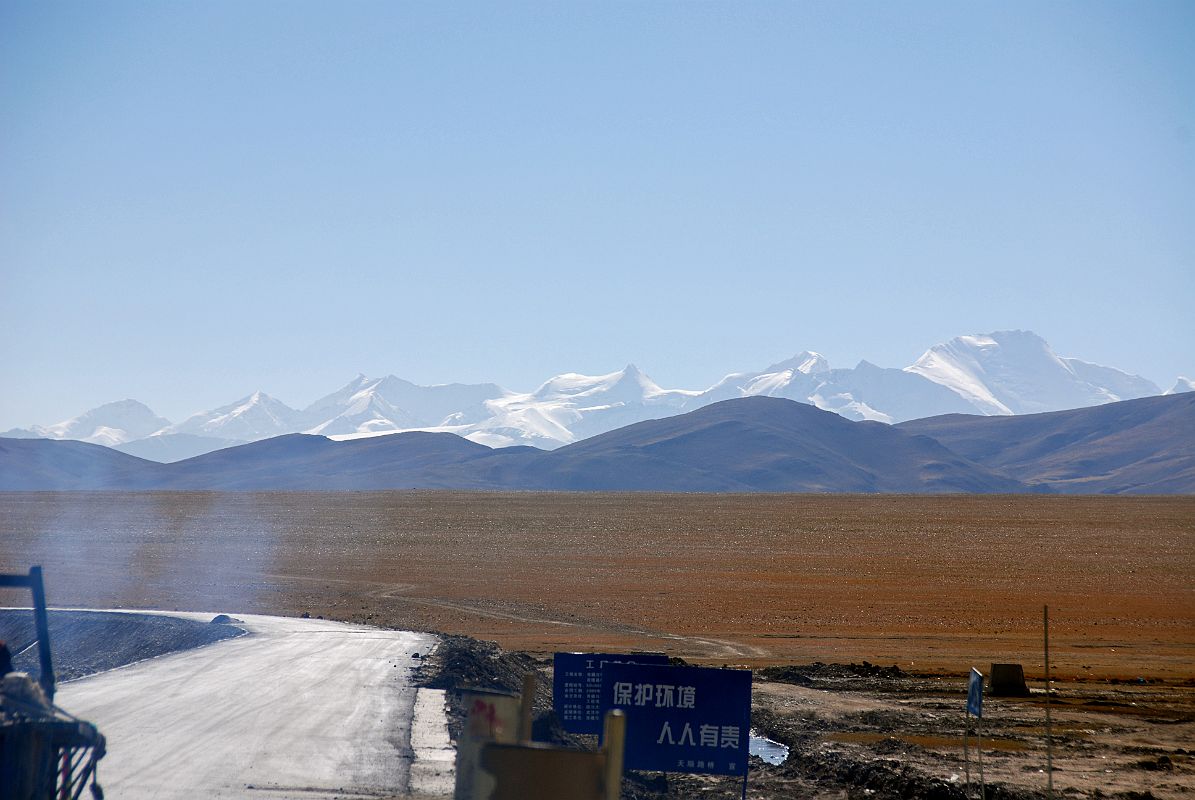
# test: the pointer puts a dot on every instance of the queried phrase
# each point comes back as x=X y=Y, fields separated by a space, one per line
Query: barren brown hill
x=757 y=444
x=1144 y=446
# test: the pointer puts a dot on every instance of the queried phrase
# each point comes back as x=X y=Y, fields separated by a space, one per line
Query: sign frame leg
x=979 y=753
x=967 y=748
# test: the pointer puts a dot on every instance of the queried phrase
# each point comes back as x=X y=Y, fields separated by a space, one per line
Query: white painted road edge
x=433 y=772
x=298 y=709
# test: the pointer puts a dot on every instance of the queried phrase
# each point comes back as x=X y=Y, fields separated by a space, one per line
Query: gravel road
x=299 y=709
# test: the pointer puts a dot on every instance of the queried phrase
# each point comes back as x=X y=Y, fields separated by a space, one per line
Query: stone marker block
x=1008 y=680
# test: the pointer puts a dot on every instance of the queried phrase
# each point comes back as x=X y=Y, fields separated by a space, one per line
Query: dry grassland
x=929 y=583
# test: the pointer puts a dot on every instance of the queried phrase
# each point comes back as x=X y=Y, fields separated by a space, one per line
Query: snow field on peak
x=958 y=373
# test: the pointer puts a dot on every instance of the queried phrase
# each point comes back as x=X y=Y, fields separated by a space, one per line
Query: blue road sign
x=975 y=693
x=682 y=719
x=577 y=686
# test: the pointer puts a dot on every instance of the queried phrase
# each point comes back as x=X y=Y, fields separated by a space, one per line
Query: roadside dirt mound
x=821 y=675
x=460 y=663
x=86 y=642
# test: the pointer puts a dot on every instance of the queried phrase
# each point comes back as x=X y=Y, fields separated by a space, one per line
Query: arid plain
x=933 y=584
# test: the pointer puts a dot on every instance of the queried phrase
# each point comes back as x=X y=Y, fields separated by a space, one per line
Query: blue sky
x=198 y=200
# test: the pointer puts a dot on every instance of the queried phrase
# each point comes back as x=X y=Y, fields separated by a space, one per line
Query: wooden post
x=38 y=587
x=614 y=740
x=527 y=707
x=1045 y=616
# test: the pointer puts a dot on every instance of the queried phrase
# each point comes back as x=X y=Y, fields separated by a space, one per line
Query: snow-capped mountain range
x=1007 y=372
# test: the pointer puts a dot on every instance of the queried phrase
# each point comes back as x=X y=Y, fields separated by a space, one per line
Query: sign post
x=1045 y=617
x=682 y=719
x=975 y=706
x=967 y=749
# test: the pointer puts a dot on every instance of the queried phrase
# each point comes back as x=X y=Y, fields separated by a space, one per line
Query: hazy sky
x=202 y=199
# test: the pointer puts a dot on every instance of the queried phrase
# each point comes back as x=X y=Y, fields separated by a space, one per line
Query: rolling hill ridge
x=754 y=444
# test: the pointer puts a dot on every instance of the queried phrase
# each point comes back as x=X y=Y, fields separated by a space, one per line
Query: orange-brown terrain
x=929 y=583
x=932 y=584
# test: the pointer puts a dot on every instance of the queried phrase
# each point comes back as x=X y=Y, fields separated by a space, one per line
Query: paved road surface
x=298 y=710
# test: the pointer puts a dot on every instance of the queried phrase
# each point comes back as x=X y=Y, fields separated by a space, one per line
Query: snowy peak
x=960 y=365
x=257 y=416
x=357 y=407
x=573 y=406
x=807 y=362
x=367 y=411
x=1016 y=372
x=432 y=405
x=628 y=384
x=375 y=405
x=110 y=424
x=795 y=378
x=1181 y=386
x=634 y=384
x=336 y=401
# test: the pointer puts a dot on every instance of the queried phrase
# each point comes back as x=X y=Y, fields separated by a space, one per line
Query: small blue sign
x=975 y=693
x=577 y=686
x=682 y=719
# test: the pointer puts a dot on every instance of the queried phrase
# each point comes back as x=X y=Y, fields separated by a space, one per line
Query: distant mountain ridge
x=758 y=444
x=1137 y=446
x=1001 y=373
x=753 y=444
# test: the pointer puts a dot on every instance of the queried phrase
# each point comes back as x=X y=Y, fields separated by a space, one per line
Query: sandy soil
x=934 y=585
x=927 y=583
